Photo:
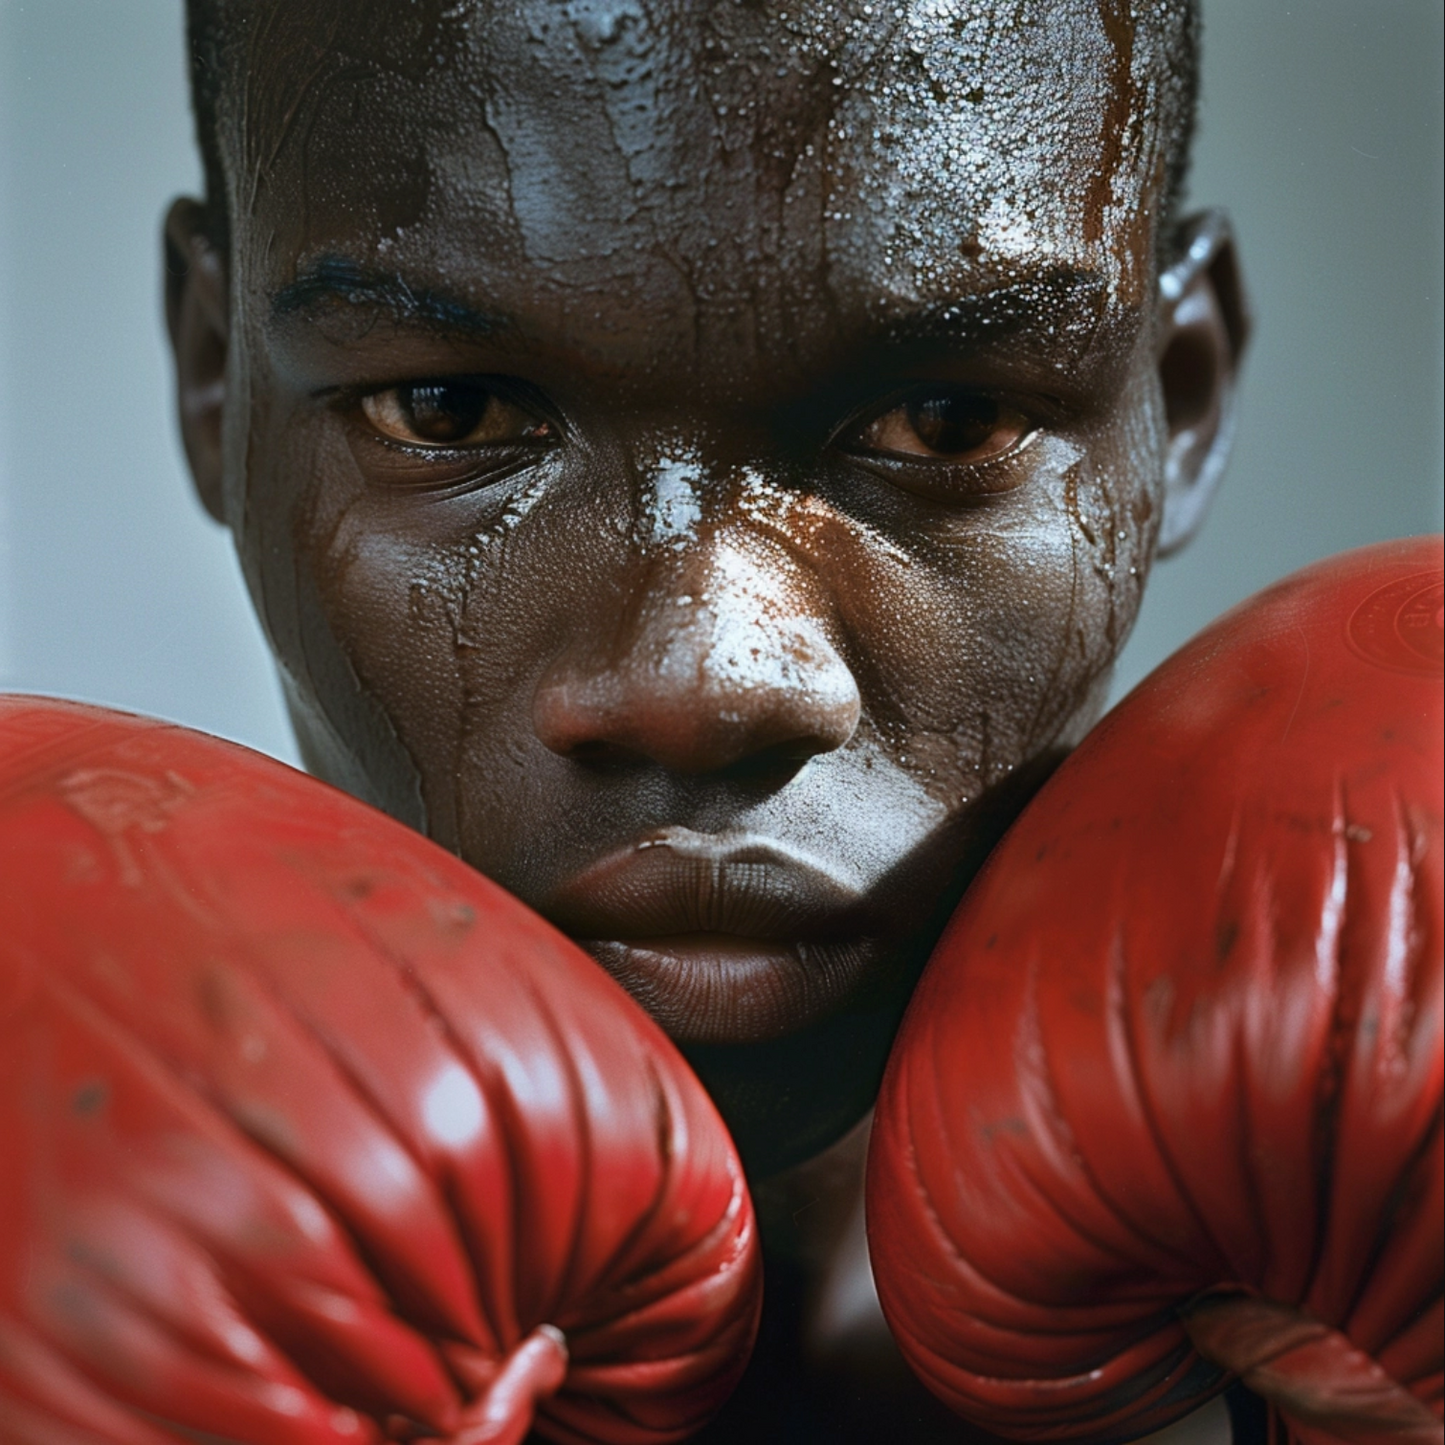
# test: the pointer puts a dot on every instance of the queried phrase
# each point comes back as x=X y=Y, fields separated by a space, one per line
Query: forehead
x=772 y=162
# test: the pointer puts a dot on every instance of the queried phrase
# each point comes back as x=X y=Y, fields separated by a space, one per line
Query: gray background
x=1321 y=131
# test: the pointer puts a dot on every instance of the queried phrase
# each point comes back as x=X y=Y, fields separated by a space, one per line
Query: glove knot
x=1315 y=1376
x=532 y=1372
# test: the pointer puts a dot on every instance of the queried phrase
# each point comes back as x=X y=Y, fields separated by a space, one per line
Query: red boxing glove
x=312 y=1134
x=1166 y=1107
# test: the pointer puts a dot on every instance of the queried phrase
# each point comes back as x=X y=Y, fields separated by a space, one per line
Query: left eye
x=452 y=414
x=948 y=424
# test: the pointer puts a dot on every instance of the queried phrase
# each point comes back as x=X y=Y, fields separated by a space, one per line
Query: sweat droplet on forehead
x=739 y=167
x=987 y=137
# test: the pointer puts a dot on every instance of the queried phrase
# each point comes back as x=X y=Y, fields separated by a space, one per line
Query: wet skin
x=701 y=464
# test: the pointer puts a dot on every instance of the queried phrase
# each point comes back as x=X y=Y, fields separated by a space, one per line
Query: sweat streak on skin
x=709 y=241
x=705 y=641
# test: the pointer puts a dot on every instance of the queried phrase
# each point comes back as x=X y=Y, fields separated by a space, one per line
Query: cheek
x=361 y=604
x=396 y=604
x=447 y=610
x=415 y=598
x=992 y=643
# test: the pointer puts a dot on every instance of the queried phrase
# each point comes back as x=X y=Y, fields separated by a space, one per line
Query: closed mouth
x=676 y=881
x=722 y=938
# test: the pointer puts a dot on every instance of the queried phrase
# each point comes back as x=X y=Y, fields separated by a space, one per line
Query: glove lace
x=1311 y=1374
x=531 y=1373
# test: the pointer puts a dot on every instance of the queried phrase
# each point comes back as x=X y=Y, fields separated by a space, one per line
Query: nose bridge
x=726 y=650
x=672 y=489
x=736 y=618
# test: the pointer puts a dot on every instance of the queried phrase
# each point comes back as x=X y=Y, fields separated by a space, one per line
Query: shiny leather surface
x=1183 y=1037
x=307 y=1127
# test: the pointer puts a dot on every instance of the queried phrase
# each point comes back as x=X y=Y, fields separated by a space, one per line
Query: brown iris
x=948 y=423
x=451 y=414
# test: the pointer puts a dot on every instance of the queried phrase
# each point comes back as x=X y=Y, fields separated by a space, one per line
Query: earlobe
x=1204 y=324
x=196 y=317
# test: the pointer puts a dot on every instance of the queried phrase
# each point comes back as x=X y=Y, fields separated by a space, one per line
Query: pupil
x=953 y=421
x=444 y=411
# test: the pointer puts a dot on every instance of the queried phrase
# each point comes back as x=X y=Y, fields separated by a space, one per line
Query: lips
x=677 y=881
x=723 y=938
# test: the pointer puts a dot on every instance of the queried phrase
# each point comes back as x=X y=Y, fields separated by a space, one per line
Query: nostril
x=591 y=750
x=774 y=764
x=570 y=714
x=601 y=753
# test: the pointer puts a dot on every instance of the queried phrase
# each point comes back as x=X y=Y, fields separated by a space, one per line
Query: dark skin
x=700 y=464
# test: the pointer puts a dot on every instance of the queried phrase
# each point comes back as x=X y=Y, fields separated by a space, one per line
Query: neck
x=812 y=1215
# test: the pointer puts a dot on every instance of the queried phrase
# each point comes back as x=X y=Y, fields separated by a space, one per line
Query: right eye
x=946 y=424
x=453 y=413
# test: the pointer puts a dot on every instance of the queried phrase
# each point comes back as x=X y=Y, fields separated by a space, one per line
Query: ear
x=197 y=321
x=1204 y=324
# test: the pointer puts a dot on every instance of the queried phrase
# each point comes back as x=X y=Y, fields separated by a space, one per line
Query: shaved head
x=805 y=72
x=700 y=461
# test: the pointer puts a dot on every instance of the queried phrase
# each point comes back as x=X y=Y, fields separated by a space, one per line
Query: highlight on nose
x=700 y=683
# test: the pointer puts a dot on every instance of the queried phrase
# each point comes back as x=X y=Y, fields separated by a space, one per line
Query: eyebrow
x=1009 y=309
x=332 y=280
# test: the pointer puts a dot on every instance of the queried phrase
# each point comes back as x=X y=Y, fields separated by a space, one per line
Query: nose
x=722 y=661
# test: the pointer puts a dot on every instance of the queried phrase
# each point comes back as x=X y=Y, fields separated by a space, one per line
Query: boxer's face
x=689 y=458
